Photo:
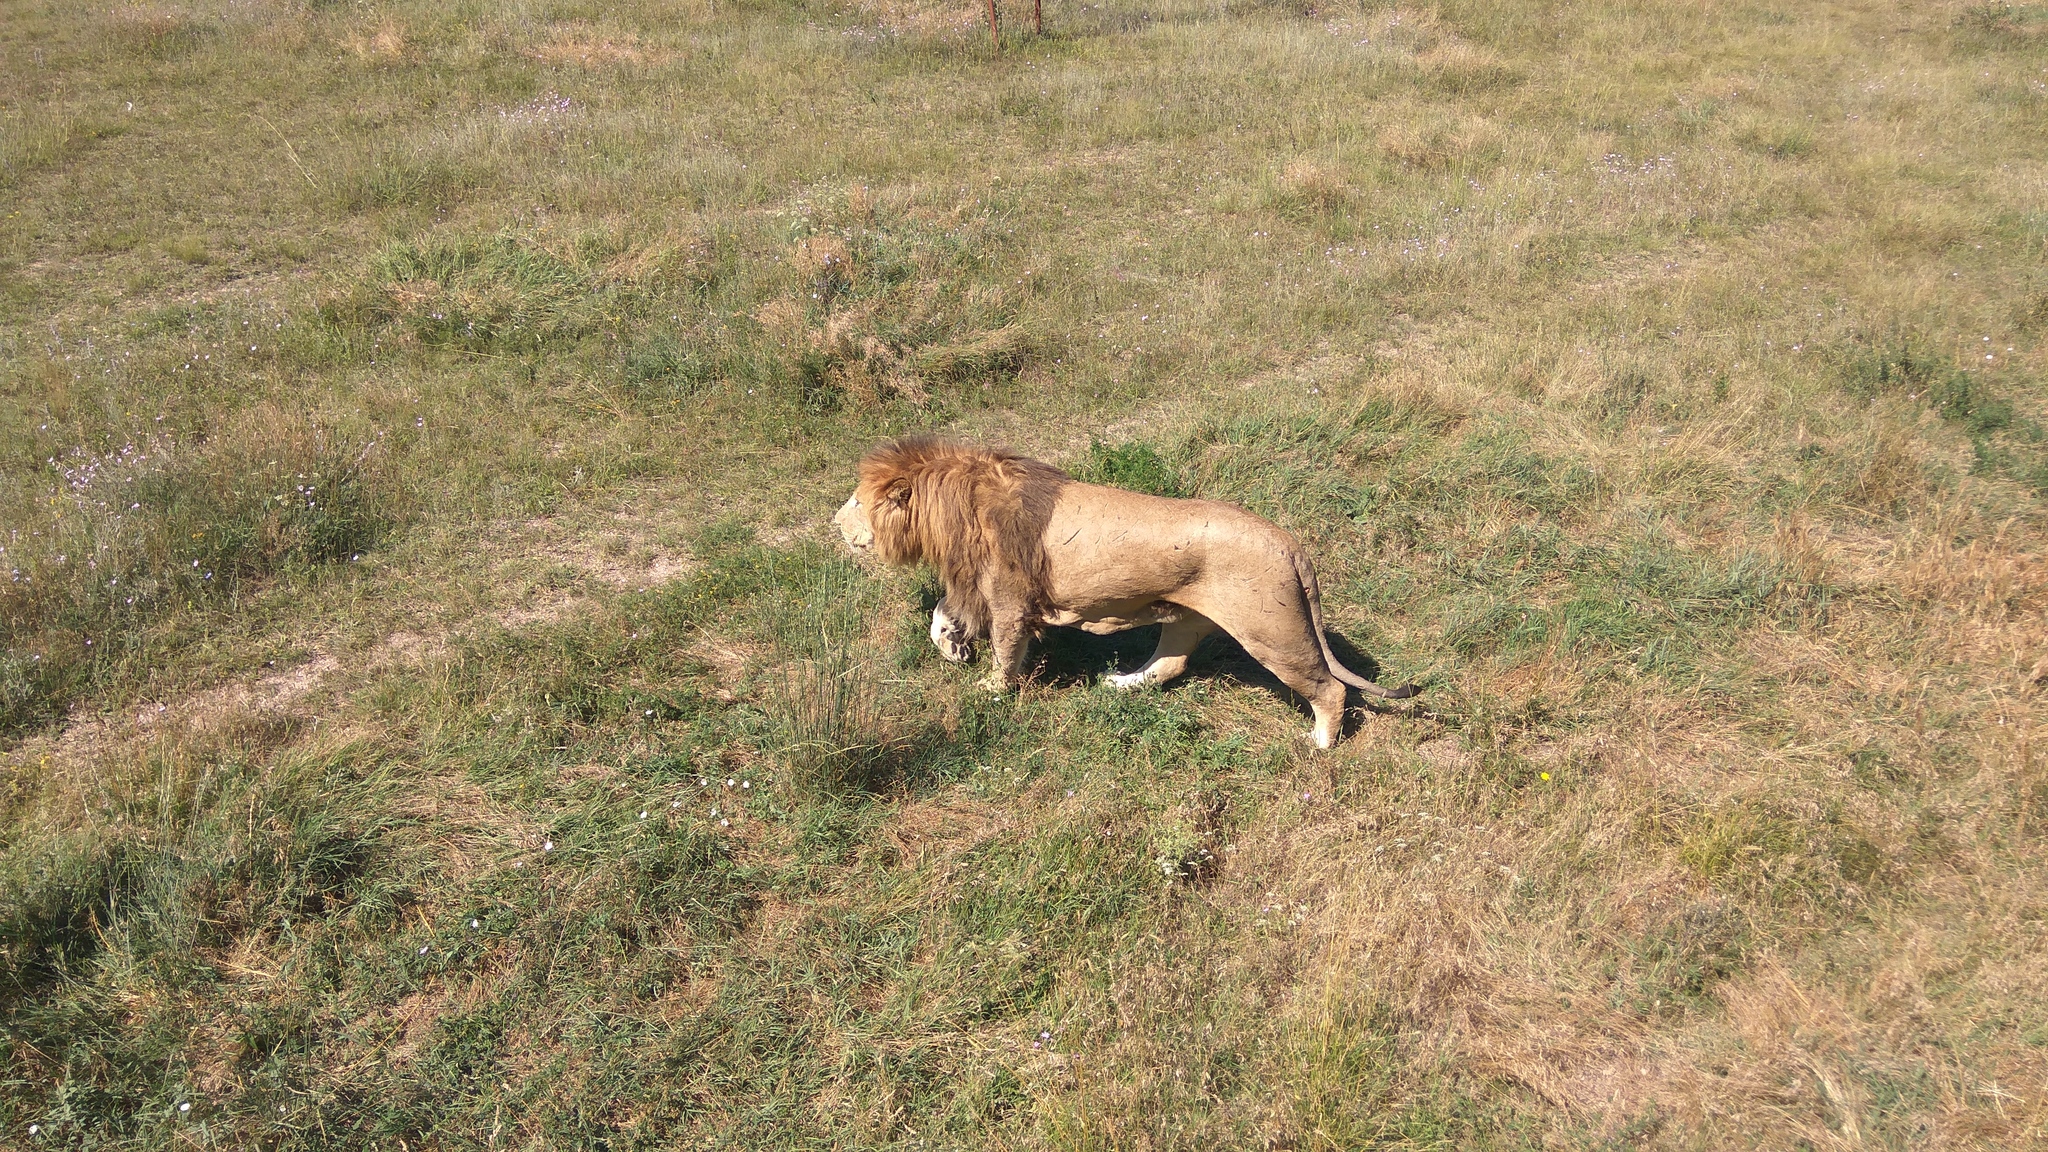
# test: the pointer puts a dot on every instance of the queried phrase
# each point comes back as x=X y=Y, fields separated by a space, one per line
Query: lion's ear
x=897 y=493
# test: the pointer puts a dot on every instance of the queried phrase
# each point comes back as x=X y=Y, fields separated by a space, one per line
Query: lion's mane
x=977 y=515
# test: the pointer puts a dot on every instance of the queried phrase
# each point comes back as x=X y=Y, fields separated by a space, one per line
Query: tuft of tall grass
x=662 y=371
x=401 y=180
x=31 y=143
x=1903 y=365
x=830 y=727
x=499 y=293
x=825 y=631
x=208 y=847
x=825 y=703
x=847 y=308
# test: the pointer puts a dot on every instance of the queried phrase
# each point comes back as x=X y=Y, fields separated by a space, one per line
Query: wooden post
x=994 y=32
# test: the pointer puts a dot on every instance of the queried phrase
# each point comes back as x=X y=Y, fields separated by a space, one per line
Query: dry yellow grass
x=1660 y=384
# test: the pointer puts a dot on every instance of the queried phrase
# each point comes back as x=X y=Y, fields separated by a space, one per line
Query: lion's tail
x=1307 y=574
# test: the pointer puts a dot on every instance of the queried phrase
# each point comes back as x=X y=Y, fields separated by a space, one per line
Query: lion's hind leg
x=1286 y=645
x=1328 y=706
x=1325 y=693
x=1178 y=639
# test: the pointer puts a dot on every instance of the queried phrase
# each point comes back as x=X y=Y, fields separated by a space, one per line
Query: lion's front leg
x=1008 y=637
x=950 y=636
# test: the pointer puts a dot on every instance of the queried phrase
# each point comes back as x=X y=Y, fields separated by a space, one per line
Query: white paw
x=1129 y=680
x=994 y=682
x=950 y=637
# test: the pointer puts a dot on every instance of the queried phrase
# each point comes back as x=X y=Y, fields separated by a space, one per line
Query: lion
x=1021 y=546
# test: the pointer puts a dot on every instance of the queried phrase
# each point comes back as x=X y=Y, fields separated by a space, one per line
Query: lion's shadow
x=1068 y=657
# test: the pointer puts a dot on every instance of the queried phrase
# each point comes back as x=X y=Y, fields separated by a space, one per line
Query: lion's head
x=975 y=514
x=854 y=526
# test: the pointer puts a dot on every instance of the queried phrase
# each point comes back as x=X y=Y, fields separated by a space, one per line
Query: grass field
x=435 y=712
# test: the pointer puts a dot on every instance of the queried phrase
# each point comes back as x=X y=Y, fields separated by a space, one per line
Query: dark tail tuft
x=1403 y=692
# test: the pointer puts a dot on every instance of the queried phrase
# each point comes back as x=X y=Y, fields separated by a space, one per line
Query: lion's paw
x=950 y=637
x=1130 y=680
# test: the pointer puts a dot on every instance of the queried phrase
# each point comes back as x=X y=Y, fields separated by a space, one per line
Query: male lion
x=1021 y=545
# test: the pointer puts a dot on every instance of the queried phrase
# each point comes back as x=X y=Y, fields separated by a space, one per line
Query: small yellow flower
x=1546 y=775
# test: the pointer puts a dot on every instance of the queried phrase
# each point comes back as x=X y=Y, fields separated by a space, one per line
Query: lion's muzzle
x=854 y=526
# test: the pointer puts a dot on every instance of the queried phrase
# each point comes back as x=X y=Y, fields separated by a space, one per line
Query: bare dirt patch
x=921 y=18
x=386 y=42
x=942 y=828
x=728 y=663
x=1443 y=752
x=414 y=1017
x=294 y=692
x=625 y=551
x=579 y=44
x=555 y=554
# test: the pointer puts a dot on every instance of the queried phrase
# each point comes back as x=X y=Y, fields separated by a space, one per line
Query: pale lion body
x=1048 y=550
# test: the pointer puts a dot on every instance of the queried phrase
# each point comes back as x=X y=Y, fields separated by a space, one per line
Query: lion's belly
x=1103 y=619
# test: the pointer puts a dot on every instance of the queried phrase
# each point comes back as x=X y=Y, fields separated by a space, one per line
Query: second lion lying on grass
x=1020 y=545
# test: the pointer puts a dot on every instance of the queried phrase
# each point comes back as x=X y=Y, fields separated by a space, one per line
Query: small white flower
x=423 y=949
x=548 y=847
x=475 y=924
x=184 y=1107
x=725 y=823
x=745 y=784
x=643 y=813
x=729 y=782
